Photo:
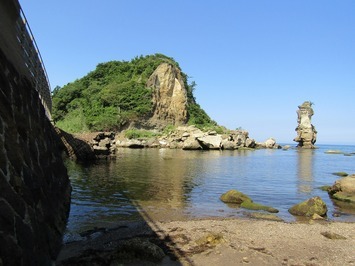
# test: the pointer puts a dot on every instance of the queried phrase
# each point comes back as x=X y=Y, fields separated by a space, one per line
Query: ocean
x=168 y=184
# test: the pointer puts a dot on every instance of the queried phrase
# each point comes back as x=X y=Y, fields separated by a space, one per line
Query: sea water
x=169 y=184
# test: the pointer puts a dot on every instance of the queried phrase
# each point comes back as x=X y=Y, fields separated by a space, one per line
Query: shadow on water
x=108 y=223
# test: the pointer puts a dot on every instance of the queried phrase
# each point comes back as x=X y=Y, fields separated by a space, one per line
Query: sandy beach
x=217 y=242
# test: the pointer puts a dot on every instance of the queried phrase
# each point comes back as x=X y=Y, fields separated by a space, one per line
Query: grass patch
x=140 y=134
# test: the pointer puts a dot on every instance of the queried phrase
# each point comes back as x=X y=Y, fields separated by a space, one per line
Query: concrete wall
x=34 y=185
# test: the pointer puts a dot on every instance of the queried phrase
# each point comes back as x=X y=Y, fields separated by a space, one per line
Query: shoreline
x=216 y=241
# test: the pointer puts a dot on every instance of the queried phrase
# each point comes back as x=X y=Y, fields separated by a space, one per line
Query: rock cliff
x=306 y=132
x=169 y=96
x=34 y=185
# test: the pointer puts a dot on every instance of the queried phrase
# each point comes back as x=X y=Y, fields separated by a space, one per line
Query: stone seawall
x=34 y=185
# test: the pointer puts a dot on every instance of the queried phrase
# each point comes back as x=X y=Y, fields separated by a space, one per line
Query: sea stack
x=306 y=132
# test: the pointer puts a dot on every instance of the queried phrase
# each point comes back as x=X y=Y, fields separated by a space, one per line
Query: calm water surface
x=169 y=184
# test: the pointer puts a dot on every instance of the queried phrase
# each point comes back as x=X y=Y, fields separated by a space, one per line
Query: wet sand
x=222 y=242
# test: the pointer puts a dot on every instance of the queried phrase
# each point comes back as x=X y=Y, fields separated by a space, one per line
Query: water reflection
x=305 y=170
x=174 y=184
x=158 y=181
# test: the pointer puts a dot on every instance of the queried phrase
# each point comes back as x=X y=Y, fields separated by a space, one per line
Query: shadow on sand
x=137 y=242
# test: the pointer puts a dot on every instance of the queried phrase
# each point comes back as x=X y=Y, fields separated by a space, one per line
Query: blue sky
x=254 y=62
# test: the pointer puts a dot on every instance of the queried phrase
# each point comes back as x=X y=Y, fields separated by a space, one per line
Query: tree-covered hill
x=114 y=95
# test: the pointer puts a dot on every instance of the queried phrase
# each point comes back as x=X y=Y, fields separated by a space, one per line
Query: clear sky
x=254 y=61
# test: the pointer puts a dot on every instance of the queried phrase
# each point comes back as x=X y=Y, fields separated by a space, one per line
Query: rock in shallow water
x=344 y=189
x=237 y=197
x=310 y=207
x=234 y=196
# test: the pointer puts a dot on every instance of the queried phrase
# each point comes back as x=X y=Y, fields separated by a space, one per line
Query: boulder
x=310 y=207
x=227 y=144
x=210 y=142
x=135 y=144
x=268 y=144
x=101 y=150
x=106 y=142
x=250 y=143
x=343 y=189
x=234 y=196
x=191 y=144
x=240 y=138
x=131 y=143
x=237 y=197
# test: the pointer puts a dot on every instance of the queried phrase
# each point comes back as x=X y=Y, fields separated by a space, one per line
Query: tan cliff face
x=169 y=96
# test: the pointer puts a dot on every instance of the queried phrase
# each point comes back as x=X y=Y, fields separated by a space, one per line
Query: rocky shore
x=261 y=239
x=215 y=242
x=104 y=144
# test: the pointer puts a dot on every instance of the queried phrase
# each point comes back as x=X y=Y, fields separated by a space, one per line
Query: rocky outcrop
x=104 y=145
x=343 y=189
x=310 y=207
x=192 y=138
x=34 y=185
x=306 y=132
x=169 y=96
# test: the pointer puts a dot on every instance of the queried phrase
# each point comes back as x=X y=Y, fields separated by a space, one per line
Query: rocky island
x=147 y=102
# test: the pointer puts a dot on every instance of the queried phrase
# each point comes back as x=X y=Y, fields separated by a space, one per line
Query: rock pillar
x=306 y=132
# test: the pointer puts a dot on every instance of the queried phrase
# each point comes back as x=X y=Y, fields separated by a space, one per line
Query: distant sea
x=168 y=184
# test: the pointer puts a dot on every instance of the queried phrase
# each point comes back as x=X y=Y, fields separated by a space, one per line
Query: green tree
x=114 y=94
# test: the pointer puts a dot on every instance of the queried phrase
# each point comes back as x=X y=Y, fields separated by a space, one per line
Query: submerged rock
x=264 y=216
x=333 y=152
x=234 y=196
x=340 y=174
x=250 y=205
x=237 y=197
x=310 y=207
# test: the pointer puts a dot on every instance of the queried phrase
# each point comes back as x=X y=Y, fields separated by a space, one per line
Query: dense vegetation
x=114 y=94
